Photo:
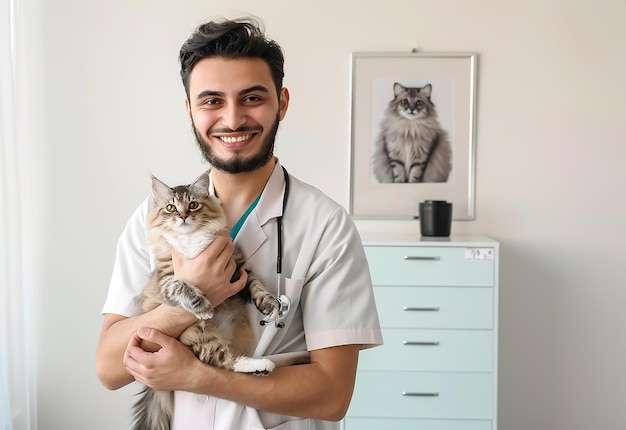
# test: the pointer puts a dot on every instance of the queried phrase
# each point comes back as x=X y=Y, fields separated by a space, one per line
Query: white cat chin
x=184 y=227
x=258 y=366
x=411 y=116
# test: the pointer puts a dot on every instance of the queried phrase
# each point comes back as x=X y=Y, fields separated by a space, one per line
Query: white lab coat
x=326 y=278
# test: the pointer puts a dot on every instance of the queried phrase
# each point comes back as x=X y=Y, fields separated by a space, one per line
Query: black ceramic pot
x=435 y=218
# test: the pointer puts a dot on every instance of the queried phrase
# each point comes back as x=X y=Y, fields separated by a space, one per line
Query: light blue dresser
x=438 y=307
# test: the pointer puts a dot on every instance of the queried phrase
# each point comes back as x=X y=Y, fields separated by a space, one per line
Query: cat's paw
x=269 y=306
x=199 y=306
x=205 y=313
x=271 y=314
x=189 y=297
x=257 y=366
x=262 y=299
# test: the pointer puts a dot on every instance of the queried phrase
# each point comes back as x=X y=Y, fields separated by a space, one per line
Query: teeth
x=228 y=139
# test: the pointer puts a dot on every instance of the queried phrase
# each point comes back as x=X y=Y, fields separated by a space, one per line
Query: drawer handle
x=412 y=308
x=414 y=394
x=411 y=342
x=419 y=258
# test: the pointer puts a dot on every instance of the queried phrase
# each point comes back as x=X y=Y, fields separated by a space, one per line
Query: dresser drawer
x=435 y=307
x=351 y=423
x=428 y=266
x=462 y=395
x=434 y=350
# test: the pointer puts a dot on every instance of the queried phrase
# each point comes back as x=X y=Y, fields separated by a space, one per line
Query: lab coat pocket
x=271 y=333
x=293 y=289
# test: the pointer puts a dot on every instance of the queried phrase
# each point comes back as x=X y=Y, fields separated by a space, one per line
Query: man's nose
x=234 y=116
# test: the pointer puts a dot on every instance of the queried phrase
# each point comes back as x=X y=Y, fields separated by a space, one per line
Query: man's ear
x=188 y=108
x=283 y=102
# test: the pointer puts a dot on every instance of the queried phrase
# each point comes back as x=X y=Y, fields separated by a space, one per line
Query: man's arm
x=215 y=263
x=321 y=389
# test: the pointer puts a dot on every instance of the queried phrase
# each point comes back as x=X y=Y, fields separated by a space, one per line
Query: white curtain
x=17 y=364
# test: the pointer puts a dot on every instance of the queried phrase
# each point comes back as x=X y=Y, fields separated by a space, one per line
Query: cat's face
x=412 y=102
x=185 y=208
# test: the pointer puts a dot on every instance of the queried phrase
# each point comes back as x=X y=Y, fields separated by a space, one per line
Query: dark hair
x=243 y=38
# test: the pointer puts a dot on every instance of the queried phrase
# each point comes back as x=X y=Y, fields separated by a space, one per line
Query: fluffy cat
x=187 y=218
x=411 y=146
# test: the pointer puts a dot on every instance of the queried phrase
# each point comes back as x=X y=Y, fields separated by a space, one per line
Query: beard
x=238 y=164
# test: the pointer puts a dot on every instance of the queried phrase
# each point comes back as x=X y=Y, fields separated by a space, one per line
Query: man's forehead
x=230 y=75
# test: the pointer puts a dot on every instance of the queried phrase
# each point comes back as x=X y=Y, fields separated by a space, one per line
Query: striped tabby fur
x=187 y=218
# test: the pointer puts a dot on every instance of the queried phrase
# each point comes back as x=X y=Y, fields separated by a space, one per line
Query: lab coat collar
x=251 y=236
x=271 y=203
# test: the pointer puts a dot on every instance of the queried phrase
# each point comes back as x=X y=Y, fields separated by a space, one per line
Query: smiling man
x=233 y=76
x=238 y=119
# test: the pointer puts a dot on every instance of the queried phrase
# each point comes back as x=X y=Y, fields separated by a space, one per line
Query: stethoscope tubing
x=279 y=229
x=284 y=303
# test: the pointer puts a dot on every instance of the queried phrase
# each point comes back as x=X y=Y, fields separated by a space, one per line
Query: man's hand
x=212 y=270
x=166 y=369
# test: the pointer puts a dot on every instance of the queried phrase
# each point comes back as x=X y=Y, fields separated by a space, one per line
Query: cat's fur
x=187 y=218
x=411 y=145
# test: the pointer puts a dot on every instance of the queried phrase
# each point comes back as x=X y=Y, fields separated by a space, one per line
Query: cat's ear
x=200 y=187
x=397 y=89
x=161 y=192
x=426 y=90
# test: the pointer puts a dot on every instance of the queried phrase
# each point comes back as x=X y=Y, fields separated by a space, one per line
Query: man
x=235 y=100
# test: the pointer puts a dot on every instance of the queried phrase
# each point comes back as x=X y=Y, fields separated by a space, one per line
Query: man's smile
x=235 y=139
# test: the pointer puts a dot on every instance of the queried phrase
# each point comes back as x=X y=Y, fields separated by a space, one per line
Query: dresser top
x=415 y=239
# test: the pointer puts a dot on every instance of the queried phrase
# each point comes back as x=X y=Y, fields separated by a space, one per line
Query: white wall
x=105 y=108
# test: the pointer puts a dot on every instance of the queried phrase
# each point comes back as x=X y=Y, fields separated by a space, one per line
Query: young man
x=235 y=100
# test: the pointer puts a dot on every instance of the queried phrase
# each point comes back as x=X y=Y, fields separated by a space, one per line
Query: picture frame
x=435 y=160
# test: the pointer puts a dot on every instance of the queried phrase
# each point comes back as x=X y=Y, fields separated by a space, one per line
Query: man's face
x=235 y=112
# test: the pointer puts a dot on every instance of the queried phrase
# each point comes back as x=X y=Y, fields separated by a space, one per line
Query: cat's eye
x=420 y=104
x=170 y=208
x=194 y=206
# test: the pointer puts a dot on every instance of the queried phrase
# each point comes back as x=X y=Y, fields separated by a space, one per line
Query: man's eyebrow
x=254 y=88
x=211 y=93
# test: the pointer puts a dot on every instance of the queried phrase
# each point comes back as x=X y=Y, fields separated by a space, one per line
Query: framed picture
x=413 y=133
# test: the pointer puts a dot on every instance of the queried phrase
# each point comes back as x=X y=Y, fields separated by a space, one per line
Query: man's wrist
x=177 y=319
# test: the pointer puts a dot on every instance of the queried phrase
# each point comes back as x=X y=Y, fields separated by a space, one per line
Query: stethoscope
x=284 y=303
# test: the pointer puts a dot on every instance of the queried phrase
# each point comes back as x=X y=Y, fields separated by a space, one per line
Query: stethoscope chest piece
x=284 y=303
